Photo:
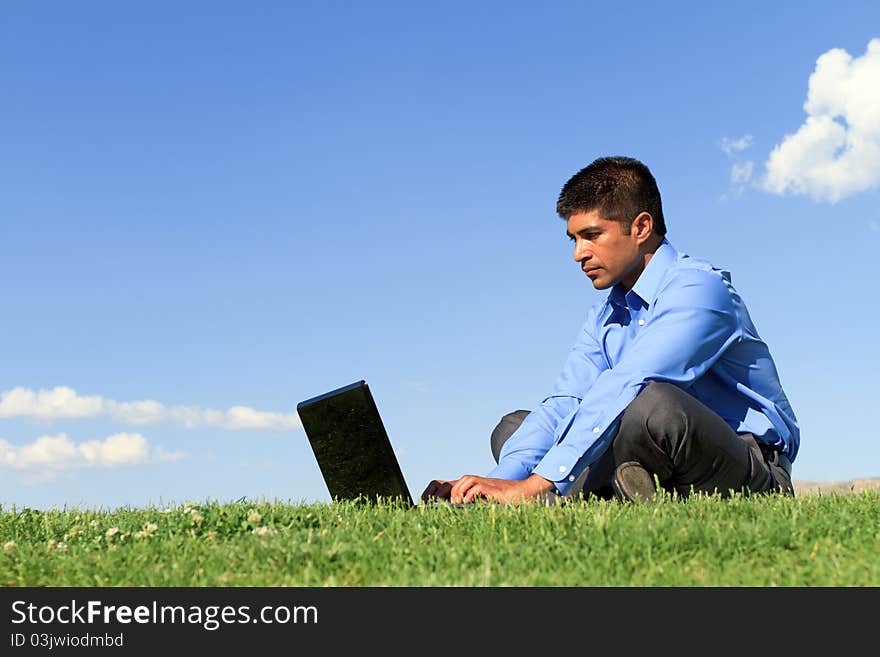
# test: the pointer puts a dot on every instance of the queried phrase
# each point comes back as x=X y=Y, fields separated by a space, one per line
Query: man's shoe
x=632 y=482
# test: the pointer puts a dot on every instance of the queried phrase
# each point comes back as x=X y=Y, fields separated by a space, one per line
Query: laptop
x=351 y=446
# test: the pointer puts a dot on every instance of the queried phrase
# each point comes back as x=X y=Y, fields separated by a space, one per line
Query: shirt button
x=571 y=478
x=562 y=468
x=641 y=322
x=596 y=430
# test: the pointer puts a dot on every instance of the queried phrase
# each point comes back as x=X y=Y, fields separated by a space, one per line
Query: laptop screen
x=351 y=446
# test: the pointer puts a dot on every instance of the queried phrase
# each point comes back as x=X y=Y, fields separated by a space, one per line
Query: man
x=668 y=381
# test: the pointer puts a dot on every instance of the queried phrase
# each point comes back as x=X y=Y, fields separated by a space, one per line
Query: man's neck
x=648 y=249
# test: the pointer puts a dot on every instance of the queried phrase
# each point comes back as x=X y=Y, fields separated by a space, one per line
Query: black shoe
x=632 y=482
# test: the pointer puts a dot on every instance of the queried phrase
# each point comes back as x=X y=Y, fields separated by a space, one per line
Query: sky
x=212 y=211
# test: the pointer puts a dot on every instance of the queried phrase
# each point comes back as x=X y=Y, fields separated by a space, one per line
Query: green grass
x=829 y=540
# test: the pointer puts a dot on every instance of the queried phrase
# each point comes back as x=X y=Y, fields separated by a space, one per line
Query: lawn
x=813 y=540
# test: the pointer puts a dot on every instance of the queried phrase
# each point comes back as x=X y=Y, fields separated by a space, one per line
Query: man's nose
x=580 y=251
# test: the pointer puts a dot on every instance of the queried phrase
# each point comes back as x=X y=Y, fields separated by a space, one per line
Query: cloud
x=740 y=172
x=64 y=403
x=836 y=152
x=732 y=146
x=47 y=456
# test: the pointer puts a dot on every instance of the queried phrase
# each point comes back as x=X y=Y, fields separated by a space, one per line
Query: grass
x=827 y=540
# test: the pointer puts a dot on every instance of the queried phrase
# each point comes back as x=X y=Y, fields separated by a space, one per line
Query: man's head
x=618 y=187
x=614 y=217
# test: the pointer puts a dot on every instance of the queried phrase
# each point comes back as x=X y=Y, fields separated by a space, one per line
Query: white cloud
x=64 y=403
x=732 y=146
x=836 y=152
x=49 y=455
x=52 y=404
x=740 y=174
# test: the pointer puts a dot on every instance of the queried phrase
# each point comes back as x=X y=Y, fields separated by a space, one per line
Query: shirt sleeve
x=537 y=433
x=692 y=322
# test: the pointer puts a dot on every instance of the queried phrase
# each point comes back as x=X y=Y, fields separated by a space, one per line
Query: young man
x=668 y=378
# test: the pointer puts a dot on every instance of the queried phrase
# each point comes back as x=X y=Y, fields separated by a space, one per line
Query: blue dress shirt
x=683 y=323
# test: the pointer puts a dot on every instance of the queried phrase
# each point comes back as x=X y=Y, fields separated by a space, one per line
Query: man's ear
x=642 y=227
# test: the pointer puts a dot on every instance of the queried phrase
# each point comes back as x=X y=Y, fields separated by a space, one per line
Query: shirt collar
x=644 y=292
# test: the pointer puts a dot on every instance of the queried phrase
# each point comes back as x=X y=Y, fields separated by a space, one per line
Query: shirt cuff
x=560 y=464
x=563 y=467
x=509 y=469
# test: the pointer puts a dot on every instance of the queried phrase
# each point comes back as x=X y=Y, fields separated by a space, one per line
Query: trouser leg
x=687 y=446
x=508 y=424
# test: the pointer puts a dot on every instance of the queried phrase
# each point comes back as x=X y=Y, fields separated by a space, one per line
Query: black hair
x=618 y=187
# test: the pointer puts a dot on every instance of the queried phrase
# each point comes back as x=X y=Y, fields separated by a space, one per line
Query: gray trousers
x=681 y=441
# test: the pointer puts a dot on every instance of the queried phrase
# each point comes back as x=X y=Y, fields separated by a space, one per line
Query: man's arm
x=529 y=443
x=694 y=320
x=512 y=480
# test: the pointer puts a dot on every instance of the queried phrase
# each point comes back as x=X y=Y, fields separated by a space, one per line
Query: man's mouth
x=591 y=270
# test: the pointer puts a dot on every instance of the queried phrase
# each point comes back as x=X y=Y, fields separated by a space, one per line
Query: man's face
x=605 y=254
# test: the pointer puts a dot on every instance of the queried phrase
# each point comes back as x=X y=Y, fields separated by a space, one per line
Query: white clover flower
x=52 y=544
x=9 y=546
x=254 y=517
x=147 y=530
x=196 y=517
x=263 y=531
x=112 y=532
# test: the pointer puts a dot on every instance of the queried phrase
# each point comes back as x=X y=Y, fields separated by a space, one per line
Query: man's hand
x=437 y=489
x=471 y=488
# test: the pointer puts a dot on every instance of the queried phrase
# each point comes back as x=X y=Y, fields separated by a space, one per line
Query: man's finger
x=444 y=490
x=461 y=487
x=474 y=493
x=431 y=490
x=438 y=488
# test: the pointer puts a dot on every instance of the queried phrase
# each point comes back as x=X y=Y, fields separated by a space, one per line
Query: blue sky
x=211 y=211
